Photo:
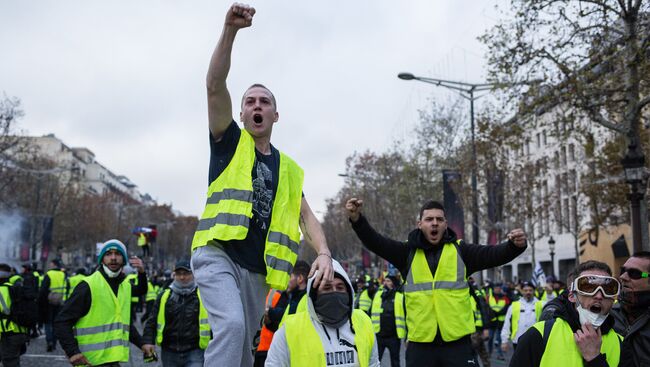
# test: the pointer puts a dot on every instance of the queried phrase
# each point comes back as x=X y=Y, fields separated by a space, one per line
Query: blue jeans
x=495 y=338
x=191 y=358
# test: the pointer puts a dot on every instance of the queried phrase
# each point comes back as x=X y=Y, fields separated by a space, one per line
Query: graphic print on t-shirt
x=262 y=194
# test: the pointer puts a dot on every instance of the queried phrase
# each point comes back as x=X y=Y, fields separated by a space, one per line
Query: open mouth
x=434 y=232
x=257 y=118
x=595 y=308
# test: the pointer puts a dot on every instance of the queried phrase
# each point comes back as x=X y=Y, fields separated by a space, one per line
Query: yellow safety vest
x=497 y=305
x=478 y=318
x=142 y=239
x=74 y=281
x=376 y=310
x=365 y=302
x=516 y=312
x=133 y=277
x=204 y=326
x=438 y=302
x=229 y=208
x=103 y=333
x=152 y=293
x=57 y=281
x=562 y=350
x=306 y=347
x=6 y=325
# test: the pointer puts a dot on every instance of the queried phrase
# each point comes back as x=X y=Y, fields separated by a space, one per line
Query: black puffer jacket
x=636 y=334
x=181 y=332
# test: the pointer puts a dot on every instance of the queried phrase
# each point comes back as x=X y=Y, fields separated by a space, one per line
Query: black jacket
x=475 y=257
x=78 y=305
x=181 y=332
x=530 y=347
x=636 y=334
x=287 y=299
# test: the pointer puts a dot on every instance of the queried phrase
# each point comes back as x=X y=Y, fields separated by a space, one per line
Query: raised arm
x=219 y=102
x=315 y=236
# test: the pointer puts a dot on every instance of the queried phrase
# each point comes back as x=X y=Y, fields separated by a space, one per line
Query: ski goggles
x=589 y=285
x=633 y=273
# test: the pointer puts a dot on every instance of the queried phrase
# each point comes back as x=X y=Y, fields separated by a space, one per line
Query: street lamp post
x=466 y=90
x=635 y=175
x=551 y=250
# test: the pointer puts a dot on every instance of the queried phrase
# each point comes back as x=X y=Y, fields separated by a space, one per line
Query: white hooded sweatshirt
x=338 y=344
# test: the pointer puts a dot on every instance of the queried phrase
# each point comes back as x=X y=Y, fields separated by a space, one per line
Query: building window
x=572 y=153
x=544 y=137
x=539 y=140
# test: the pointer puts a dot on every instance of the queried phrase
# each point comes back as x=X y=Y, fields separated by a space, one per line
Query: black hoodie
x=530 y=347
x=475 y=257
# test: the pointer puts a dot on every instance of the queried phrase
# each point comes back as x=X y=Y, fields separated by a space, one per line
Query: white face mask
x=111 y=274
x=586 y=316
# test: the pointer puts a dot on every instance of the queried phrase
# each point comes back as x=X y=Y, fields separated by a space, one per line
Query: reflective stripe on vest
x=516 y=312
x=306 y=347
x=562 y=350
x=204 y=326
x=398 y=308
x=6 y=325
x=229 y=208
x=440 y=301
x=103 y=333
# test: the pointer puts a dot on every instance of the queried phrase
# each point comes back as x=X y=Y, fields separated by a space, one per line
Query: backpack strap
x=548 y=326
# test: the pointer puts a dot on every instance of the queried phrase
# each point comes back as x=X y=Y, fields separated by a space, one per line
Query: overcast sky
x=126 y=79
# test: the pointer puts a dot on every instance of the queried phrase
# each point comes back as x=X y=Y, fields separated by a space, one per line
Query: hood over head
x=312 y=292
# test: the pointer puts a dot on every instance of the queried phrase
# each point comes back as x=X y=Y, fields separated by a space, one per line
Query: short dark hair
x=642 y=255
x=301 y=268
x=592 y=265
x=5 y=267
x=431 y=204
x=258 y=85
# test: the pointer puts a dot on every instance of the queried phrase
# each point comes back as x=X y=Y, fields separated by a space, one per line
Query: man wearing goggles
x=632 y=315
x=581 y=332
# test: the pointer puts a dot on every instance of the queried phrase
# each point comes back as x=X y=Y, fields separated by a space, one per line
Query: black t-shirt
x=249 y=252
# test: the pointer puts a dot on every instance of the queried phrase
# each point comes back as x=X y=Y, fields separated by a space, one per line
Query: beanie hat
x=109 y=245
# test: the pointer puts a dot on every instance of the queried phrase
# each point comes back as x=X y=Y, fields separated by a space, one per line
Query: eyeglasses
x=588 y=285
x=633 y=273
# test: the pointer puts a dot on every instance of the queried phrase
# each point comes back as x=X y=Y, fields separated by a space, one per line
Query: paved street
x=36 y=356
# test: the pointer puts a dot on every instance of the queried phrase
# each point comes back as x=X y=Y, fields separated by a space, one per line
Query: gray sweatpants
x=234 y=299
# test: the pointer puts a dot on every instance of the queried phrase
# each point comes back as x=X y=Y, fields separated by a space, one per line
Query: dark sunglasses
x=633 y=273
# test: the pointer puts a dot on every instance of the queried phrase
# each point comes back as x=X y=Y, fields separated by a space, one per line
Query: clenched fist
x=240 y=16
x=353 y=206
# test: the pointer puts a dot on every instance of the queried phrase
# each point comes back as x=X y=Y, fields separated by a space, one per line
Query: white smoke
x=11 y=224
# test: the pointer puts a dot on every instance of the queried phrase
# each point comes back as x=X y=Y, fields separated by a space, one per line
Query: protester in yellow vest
x=248 y=236
x=388 y=319
x=76 y=279
x=94 y=326
x=439 y=315
x=521 y=315
x=179 y=322
x=582 y=333
x=499 y=303
x=52 y=294
x=329 y=333
x=13 y=336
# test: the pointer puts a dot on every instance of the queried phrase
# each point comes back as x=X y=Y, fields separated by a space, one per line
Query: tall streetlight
x=551 y=250
x=635 y=175
x=466 y=90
